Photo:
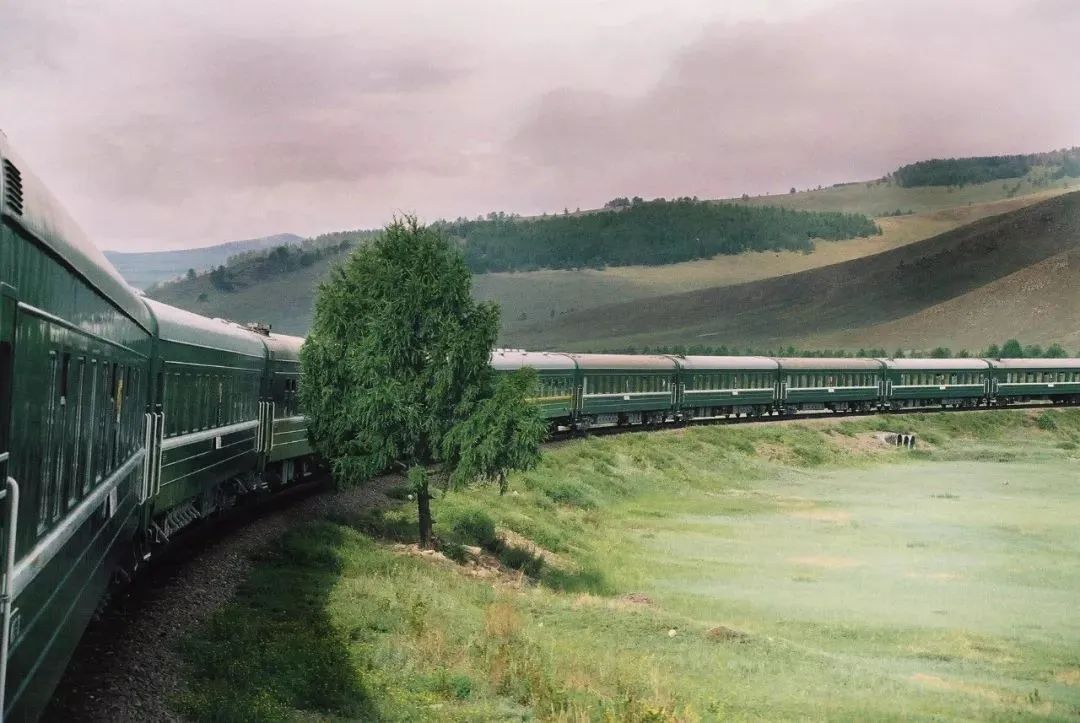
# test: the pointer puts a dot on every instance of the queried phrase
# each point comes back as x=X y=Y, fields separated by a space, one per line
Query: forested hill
x=645 y=232
x=981 y=169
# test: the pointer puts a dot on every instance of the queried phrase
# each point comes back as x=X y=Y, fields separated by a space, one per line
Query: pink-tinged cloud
x=191 y=123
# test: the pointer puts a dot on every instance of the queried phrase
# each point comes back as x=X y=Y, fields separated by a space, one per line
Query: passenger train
x=124 y=420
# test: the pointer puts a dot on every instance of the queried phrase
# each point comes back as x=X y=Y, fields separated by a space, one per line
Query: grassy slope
x=830 y=300
x=806 y=572
x=286 y=302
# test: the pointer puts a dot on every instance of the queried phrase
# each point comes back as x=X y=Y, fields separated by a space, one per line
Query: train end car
x=285 y=452
x=836 y=384
x=558 y=386
x=720 y=386
x=622 y=389
x=1015 y=381
x=957 y=383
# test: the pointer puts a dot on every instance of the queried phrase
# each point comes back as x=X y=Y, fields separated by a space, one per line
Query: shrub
x=564 y=492
x=474 y=527
x=455 y=551
x=1046 y=422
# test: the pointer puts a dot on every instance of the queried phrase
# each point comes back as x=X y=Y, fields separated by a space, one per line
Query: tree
x=993 y=352
x=1012 y=350
x=191 y=274
x=396 y=371
x=1055 y=351
x=940 y=352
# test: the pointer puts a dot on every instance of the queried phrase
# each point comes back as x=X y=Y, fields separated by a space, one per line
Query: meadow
x=769 y=571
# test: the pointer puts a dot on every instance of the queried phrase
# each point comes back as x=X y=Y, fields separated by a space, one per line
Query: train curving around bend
x=123 y=420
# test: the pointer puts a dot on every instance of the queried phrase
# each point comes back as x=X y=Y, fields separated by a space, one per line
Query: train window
x=90 y=426
x=50 y=435
x=77 y=460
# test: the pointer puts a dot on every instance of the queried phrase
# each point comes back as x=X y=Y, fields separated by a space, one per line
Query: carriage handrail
x=12 y=489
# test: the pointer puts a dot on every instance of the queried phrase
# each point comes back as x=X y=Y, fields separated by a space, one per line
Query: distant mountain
x=146 y=268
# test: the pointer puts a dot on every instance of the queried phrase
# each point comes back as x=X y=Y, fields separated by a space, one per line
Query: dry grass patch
x=834 y=562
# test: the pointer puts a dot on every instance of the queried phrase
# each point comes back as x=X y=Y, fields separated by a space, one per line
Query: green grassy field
x=775 y=571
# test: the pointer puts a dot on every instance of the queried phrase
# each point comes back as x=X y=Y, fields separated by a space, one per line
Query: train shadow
x=274 y=650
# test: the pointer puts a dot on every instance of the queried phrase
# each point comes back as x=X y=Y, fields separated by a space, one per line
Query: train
x=586 y=391
x=124 y=421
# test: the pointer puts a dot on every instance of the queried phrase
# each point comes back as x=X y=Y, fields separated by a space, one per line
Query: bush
x=564 y=492
x=517 y=558
x=455 y=551
x=1046 y=422
x=474 y=527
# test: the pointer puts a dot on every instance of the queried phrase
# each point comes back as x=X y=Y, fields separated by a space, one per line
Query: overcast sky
x=171 y=124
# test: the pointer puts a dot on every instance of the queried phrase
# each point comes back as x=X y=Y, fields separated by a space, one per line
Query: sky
x=170 y=124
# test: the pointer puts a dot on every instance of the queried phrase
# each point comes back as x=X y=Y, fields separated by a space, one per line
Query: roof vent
x=13 y=191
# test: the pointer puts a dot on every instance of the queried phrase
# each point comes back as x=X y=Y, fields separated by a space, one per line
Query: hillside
x=144 y=269
x=852 y=295
x=527 y=298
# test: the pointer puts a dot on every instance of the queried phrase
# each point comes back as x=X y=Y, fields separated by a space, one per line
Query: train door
x=7 y=358
x=10 y=489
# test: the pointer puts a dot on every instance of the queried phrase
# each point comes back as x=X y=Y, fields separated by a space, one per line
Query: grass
x=756 y=572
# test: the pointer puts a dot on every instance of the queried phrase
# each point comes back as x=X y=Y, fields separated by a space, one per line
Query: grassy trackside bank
x=793 y=570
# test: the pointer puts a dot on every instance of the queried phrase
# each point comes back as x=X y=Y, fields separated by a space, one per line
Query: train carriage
x=74 y=347
x=715 y=386
x=625 y=389
x=1021 y=380
x=282 y=438
x=931 y=382
x=839 y=385
x=208 y=379
x=557 y=381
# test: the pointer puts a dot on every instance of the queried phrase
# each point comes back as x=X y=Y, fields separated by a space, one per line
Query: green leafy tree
x=1055 y=351
x=1012 y=350
x=992 y=352
x=396 y=372
x=940 y=352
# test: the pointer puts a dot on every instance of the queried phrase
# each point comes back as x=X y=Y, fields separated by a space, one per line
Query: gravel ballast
x=127 y=666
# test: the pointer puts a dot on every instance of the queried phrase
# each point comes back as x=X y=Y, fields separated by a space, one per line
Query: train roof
x=1035 y=363
x=916 y=364
x=826 y=363
x=283 y=347
x=635 y=362
x=511 y=359
x=26 y=202
x=703 y=363
x=184 y=327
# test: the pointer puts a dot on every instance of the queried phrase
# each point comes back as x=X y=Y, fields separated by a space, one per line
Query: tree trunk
x=423 y=509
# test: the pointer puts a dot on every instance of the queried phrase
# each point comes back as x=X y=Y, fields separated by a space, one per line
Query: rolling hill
x=144 y=269
x=527 y=298
x=892 y=294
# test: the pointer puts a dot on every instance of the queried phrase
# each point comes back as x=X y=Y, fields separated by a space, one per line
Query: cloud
x=171 y=124
x=846 y=93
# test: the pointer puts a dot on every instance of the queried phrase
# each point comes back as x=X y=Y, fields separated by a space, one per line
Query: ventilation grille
x=13 y=191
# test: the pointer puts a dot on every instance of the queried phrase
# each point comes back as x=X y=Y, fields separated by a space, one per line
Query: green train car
x=839 y=385
x=558 y=381
x=936 y=382
x=718 y=386
x=1023 y=380
x=619 y=389
x=122 y=421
